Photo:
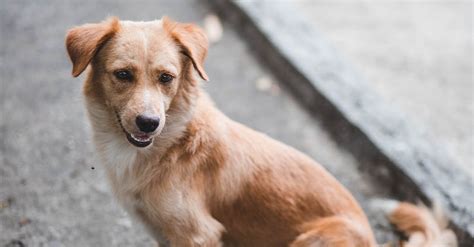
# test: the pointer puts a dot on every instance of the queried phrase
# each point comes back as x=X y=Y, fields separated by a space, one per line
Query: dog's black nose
x=147 y=124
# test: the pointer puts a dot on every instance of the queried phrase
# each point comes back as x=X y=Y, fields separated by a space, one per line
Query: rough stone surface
x=52 y=190
x=417 y=55
x=378 y=134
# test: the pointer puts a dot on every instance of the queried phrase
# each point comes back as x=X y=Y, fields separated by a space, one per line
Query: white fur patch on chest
x=118 y=156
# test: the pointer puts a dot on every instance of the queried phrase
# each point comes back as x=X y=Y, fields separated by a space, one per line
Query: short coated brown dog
x=193 y=176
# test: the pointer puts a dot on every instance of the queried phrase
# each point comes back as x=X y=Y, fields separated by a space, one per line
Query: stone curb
x=391 y=147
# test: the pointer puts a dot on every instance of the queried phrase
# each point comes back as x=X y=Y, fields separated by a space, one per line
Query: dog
x=190 y=174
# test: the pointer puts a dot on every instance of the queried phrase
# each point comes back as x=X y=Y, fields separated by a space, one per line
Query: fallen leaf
x=213 y=28
x=264 y=83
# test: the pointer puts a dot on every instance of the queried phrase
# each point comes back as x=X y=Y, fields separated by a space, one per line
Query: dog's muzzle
x=138 y=140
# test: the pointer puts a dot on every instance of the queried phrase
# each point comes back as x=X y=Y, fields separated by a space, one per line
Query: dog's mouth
x=138 y=140
x=141 y=141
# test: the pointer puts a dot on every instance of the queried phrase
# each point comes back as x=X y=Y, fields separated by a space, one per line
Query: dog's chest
x=136 y=208
x=155 y=207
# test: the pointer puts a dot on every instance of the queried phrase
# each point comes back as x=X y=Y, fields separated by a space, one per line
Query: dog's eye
x=165 y=78
x=123 y=75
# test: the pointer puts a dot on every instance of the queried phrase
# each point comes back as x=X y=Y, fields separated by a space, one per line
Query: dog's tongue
x=141 y=137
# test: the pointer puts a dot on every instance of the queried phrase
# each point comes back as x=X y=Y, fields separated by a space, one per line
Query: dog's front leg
x=205 y=232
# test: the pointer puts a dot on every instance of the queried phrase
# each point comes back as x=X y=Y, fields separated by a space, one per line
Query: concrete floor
x=49 y=193
x=417 y=54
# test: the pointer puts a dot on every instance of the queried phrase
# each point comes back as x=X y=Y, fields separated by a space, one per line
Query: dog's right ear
x=83 y=42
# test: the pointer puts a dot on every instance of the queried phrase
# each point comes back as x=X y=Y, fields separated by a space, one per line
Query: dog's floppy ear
x=83 y=42
x=192 y=41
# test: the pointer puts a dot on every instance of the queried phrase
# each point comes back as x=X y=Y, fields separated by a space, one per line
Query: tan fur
x=424 y=227
x=192 y=40
x=83 y=43
x=205 y=180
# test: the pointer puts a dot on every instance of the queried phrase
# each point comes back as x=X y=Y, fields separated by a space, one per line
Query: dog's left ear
x=192 y=41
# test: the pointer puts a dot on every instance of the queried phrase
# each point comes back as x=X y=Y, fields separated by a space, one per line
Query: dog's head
x=138 y=69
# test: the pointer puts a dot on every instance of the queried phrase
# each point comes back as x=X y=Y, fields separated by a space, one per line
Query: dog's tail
x=424 y=227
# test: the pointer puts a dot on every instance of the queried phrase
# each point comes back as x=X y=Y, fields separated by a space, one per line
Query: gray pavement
x=49 y=193
x=416 y=54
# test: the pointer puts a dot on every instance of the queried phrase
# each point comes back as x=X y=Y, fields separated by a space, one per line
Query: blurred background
x=416 y=55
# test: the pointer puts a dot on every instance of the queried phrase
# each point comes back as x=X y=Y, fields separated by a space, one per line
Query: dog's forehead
x=139 y=32
x=143 y=42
